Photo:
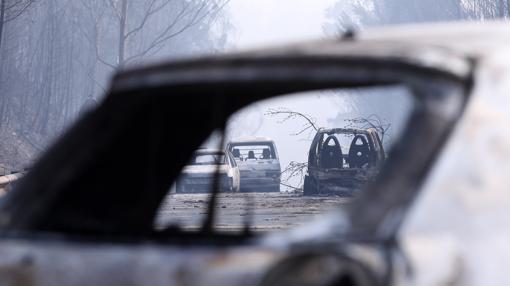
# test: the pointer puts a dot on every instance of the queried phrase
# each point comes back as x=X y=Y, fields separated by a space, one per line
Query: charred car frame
x=333 y=170
x=76 y=206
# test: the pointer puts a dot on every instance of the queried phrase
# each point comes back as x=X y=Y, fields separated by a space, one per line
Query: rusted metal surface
x=43 y=263
x=464 y=208
x=458 y=230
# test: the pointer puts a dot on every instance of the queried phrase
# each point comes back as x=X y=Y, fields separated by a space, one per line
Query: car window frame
x=288 y=73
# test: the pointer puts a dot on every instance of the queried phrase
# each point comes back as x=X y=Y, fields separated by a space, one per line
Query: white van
x=258 y=162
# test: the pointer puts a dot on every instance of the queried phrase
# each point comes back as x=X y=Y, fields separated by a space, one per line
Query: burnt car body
x=342 y=170
x=198 y=174
x=55 y=230
x=259 y=165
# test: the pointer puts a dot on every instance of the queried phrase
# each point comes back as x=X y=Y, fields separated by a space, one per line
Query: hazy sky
x=263 y=22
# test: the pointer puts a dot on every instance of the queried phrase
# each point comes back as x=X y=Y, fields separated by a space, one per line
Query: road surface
x=265 y=211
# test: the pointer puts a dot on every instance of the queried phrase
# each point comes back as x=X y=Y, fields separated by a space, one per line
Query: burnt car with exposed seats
x=199 y=173
x=258 y=162
x=342 y=160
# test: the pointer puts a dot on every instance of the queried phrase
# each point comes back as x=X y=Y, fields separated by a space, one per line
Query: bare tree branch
x=20 y=6
x=294 y=169
x=158 y=39
x=101 y=60
x=90 y=76
x=115 y=11
x=197 y=16
x=372 y=121
x=150 y=11
x=289 y=114
x=94 y=43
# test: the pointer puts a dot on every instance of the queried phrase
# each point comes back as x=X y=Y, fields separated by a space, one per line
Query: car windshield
x=319 y=151
x=208 y=159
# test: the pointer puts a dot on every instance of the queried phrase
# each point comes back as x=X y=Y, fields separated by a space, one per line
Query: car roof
x=473 y=39
x=251 y=139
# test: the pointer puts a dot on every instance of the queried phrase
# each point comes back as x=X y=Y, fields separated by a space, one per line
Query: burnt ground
x=269 y=211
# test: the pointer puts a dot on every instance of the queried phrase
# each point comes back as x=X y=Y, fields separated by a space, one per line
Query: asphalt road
x=265 y=211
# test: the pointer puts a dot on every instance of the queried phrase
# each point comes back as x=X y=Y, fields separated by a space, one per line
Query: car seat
x=359 y=153
x=236 y=153
x=266 y=154
x=251 y=155
x=331 y=155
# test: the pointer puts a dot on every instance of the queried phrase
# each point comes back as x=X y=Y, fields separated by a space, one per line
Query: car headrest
x=266 y=154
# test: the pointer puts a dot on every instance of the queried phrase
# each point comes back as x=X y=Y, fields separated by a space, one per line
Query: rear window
x=253 y=151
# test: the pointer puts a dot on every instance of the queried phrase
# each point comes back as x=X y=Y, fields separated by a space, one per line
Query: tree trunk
x=3 y=100
x=502 y=11
x=2 y=17
x=122 y=32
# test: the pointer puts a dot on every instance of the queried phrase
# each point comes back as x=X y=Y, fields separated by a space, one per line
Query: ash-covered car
x=199 y=175
x=437 y=213
x=342 y=160
x=258 y=163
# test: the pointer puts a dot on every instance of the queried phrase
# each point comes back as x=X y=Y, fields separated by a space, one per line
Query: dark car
x=342 y=160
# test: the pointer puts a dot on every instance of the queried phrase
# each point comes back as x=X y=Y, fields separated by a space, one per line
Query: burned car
x=437 y=213
x=200 y=172
x=258 y=163
x=342 y=160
